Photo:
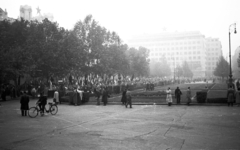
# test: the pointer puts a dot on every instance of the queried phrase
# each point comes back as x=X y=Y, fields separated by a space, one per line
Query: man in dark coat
x=124 y=97
x=178 y=94
x=105 y=96
x=230 y=96
x=24 y=104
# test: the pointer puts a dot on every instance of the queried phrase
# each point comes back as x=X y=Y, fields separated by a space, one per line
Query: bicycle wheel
x=53 y=109
x=33 y=112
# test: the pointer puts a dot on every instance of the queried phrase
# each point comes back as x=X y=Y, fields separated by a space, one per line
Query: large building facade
x=199 y=52
x=4 y=15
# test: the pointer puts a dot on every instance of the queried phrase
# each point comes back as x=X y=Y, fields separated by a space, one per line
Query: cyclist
x=42 y=102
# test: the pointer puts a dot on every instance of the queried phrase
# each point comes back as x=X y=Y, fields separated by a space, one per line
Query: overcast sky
x=133 y=17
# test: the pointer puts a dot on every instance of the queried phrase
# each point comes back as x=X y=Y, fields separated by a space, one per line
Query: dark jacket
x=178 y=92
x=231 y=95
x=24 y=102
x=124 y=96
x=42 y=100
x=105 y=96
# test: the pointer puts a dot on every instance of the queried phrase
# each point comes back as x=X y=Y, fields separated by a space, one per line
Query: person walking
x=169 y=96
x=97 y=92
x=24 y=104
x=230 y=96
x=237 y=95
x=124 y=96
x=105 y=96
x=178 y=94
x=128 y=98
x=189 y=96
x=56 y=96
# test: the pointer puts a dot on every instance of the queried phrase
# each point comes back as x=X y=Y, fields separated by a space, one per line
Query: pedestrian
x=105 y=96
x=56 y=96
x=33 y=92
x=124 y=96
x=230 y=96
x=128 y=98
x=189 y=96
x=97 y=92
x=237 y=95
x=238 y=85
x=24 y=103
x=169 y=97
x=3 y=93
x=178 y=94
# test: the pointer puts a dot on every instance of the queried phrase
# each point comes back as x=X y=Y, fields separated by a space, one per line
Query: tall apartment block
x=201 y=53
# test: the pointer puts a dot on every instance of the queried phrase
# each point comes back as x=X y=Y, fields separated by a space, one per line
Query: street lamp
x=230 y=60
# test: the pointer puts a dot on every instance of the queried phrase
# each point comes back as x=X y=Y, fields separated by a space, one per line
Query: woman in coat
x=230 y=96
x=105 y=96
x=24 y=104
x=124 y=97
x=237 y=98
x=169 y=96
x=189 y=96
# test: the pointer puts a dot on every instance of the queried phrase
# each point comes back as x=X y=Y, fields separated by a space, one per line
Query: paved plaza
x=144 y=127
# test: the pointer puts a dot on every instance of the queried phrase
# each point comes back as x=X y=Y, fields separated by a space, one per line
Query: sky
x=135 y=17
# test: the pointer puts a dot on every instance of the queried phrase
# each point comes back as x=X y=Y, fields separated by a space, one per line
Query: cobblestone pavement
x=144 y=127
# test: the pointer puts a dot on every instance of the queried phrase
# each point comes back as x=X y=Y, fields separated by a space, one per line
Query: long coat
x=237 y=97
x=189 y=96
x=24 y=102
x=105 y=96
x=169 y=96
x=231 y=95
x=124 y=96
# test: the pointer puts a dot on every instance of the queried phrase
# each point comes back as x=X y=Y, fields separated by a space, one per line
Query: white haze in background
x=133 y=17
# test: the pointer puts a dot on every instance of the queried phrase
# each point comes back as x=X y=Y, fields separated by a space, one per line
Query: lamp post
x=230 y=60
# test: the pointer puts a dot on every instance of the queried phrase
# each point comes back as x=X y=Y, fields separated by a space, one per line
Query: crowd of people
x=102 y=91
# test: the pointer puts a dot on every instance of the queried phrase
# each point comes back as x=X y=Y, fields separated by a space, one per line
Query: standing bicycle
x=33 y=111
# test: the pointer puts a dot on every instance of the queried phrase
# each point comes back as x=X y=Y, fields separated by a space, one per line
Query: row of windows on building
x=176 y=53
x=177 y=48
x=171 y=43
x=215 y=59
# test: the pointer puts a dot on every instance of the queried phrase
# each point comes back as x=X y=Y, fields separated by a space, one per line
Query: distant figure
x=33 y=92
x=124 y=96
x=24 y=104
x=128 y=98
x=169 y=97
x=237 y=95
x=97 y=92
x=178 y=94
x=230 y=96
x=105 y=96
x=56 y=97
x=238 y=85
x=42 y=102
x=189 y=96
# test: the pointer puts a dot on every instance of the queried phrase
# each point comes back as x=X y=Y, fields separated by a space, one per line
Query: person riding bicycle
x=42 y=102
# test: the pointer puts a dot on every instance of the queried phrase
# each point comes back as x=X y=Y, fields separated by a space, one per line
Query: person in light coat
x=169 y=96
x=56 y=97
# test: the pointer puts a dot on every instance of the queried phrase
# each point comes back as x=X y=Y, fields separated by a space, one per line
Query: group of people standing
x=178 y=94
x=42 y=101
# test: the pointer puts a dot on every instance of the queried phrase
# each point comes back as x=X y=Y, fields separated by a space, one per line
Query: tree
x=179 y=71
x=160 y=69
x=186 y=70
x=222 y=68
x=139 y=64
